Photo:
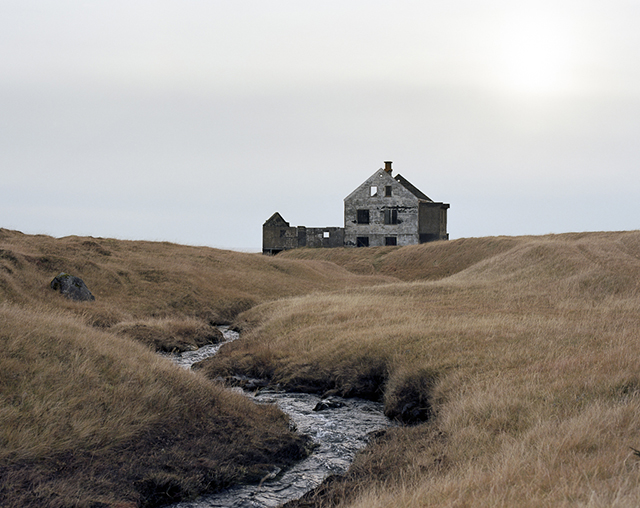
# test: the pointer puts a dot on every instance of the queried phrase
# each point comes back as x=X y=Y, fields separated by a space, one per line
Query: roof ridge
x=411 y=188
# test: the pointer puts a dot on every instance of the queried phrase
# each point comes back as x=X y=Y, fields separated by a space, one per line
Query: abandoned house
x=383 y=210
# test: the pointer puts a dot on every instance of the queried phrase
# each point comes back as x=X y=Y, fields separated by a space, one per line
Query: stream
x=339 y=432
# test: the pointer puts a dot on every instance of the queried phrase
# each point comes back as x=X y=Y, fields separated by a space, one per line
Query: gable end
x=276 y=220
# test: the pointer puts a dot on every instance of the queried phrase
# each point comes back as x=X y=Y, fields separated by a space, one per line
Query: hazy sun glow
x=535 y=56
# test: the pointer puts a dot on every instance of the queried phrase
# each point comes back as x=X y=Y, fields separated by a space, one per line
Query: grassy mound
x=524 y=358
x=89 y=415
x=91 y=419
x=428 y=261
x=520 y=353
x=148 y=283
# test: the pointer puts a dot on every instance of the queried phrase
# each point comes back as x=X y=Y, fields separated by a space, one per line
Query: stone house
x=383 y=210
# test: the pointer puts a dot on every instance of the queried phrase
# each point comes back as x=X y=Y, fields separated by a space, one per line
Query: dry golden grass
x=139 y=281
x=89 y=418
x=428 y=261
x=169 y=335
x=525 y=349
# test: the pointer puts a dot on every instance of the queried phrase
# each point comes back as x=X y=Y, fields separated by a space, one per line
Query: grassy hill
x=516 y=359
x=145 y=280
x=523 y=354
x=89 y=415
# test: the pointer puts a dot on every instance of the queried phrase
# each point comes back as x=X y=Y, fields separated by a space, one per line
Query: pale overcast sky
x=193 y=121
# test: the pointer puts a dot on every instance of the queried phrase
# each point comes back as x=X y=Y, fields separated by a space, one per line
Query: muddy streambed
x=338 y=431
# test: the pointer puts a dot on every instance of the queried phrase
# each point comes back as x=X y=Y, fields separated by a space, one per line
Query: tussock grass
x=139 y=281
x=522 y=354
x=89 y=415
x=428 y=261
x=91 y=418
x=169 y=335
x=527 y=356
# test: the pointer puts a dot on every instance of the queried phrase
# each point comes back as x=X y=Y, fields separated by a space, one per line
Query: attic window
x=387 y=191
x=374 y=190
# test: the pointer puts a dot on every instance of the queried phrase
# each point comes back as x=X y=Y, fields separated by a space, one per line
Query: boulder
x=72 y=287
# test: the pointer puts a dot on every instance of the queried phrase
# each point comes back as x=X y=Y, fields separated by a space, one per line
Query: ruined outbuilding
x=383 y=210
x=278 y=235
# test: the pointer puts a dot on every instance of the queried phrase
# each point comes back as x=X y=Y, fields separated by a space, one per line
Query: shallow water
x=338 y=433
x=188 y=358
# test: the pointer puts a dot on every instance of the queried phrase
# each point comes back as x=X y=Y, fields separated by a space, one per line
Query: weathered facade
x=383 y=210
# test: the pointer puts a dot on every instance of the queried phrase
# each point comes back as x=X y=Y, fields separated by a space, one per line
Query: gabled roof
x=276 y=220
x=412 y=188
x=398 y=178
x=380 y=172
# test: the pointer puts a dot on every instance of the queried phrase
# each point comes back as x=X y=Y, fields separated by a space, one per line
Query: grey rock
x=72 y=287
x=328 y=404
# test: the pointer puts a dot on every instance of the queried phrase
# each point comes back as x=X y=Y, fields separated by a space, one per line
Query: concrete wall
x=432 y=221
x=323 y=237
x=279 y=237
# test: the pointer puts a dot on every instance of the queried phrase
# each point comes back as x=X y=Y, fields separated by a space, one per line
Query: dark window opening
x=391 y=216
x=283 y=232
x=390 y=240
x=387 y=191
x=363 y=216
x=362 y=241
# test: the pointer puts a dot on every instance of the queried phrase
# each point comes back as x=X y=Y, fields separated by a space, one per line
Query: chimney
x=387 y=166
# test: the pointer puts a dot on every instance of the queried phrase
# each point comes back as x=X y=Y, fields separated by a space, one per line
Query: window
x=387 y=191
x=374 y=190
x=363 y=216
x=325 y=234
x=362 y=241
x=391 y=216
x=390 y=240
